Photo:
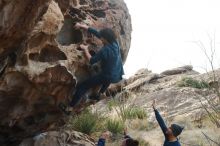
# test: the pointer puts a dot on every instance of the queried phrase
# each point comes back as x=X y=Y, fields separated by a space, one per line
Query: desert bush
x=111 y=104
x=140 y=113
x=86 y=122
x=115 y=126
x=190 y=82
x=126 y=111
x=134 y=112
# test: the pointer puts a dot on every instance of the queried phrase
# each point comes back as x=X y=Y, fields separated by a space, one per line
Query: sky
x=172 y=33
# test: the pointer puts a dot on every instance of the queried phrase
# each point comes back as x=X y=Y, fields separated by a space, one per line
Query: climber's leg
x=63 y=107
x=84 y=87
x=104 y=86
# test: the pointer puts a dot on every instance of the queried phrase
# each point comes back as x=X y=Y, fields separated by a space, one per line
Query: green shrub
x=111 y=103
x=86 y=122
x=125 y=111
x=190 y=82
x=115 y=126
x=127 y=114
x=133 y=113
x=139 y=112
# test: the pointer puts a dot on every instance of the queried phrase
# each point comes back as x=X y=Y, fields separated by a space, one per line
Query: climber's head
x=174 y=130
x=107 y=36
x=130 y=142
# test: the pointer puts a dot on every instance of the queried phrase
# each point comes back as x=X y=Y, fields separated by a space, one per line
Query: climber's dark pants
x=82 y=88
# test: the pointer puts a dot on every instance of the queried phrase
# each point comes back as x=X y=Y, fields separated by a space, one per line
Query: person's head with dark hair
x=174 y=130
x=107 y=35
x=130 y=142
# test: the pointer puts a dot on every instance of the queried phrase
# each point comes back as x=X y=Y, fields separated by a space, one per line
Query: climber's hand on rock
x=84 y=47
x=77 y=25
x=83 y=26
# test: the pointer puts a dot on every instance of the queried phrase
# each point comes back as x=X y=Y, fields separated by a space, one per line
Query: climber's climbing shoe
x=95 y=97
x=64 y=109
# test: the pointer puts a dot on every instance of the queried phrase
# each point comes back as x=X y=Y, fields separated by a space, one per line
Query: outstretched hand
x=154 y=104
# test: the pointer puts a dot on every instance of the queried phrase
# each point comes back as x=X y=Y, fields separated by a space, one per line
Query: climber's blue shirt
x=110 y=57
x=164 y=129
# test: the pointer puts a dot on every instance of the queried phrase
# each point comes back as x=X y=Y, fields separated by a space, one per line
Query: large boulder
x=40 y=63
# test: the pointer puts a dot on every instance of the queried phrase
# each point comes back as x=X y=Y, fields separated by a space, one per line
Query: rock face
x=40 y=62
x=172 y=99
x=144 y=76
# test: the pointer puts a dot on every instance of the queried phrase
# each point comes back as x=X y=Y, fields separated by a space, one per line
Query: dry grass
x=140 y=125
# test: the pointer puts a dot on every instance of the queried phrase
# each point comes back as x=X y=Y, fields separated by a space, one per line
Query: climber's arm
x=94 y=31
x=86 y=51
x=159 y=119
x=89 y=29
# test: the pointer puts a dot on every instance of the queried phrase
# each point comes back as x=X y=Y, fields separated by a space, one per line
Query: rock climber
x=111 y=64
